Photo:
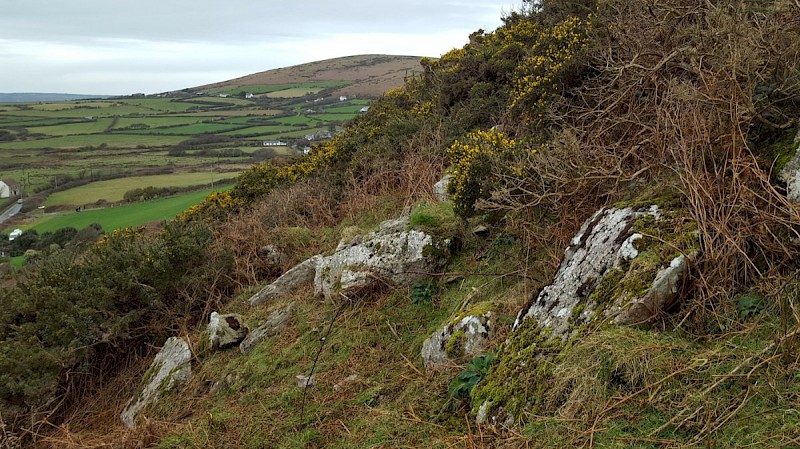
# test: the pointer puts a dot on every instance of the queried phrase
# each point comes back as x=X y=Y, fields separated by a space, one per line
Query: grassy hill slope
x=367 y=75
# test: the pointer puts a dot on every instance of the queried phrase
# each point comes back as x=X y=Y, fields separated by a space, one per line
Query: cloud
x=93 y=46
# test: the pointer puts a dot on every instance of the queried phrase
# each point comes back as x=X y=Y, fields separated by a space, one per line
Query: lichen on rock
x=392 y=254
x=467 y=334
x=624 y=266
x=170 y=368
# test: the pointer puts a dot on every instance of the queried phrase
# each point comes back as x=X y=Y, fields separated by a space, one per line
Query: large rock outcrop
x=392 y=254
x=170 y=368
x=625 y=266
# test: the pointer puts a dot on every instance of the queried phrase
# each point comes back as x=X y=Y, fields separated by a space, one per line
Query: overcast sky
x=122 y=46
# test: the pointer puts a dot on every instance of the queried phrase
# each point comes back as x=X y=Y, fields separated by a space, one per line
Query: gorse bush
x=473 y=161
x=89 y=314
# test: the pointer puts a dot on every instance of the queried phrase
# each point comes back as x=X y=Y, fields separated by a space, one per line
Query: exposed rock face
x=466 y=336
x=440 y=188
x=170 y=368
x=225 y=331
x=625 y=266
x=297 y=277
x=591 y=253
x=790 y=174
x=391 y=254
x=276 y=323
x=604 y=271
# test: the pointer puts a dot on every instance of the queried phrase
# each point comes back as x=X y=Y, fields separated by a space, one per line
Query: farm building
x=8 y=189
x=364 y=109
x=14 y=234
x=274 y=143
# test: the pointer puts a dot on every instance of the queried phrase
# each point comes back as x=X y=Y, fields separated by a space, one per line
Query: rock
x=481 y=230
x=225 y=331
x=273 y=256
x=276 y=323
x=351 y=379
x=790 y=174
x=603 y=269
x=591 y=253
x=625 y=267
x=392 y=254
x=659 y=297
x=440 y=188
x=465 y=336
x=297 y=277
x=170 y=368
x=304 y=381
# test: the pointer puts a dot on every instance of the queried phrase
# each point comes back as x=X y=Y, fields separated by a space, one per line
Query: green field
x=294 y=92
x=122 y=216
x=47 y=145
x=82 y=140
x=113 y=190
x=190 y=130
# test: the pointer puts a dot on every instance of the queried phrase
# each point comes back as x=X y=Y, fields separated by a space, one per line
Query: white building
x=14 y=234
x=7 y=190
x=274 y=143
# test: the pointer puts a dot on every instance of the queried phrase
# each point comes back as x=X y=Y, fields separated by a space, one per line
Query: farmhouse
x=14 y=234
x=248 y=95
x=274 y=143
x=343 y=98
x=364 y=109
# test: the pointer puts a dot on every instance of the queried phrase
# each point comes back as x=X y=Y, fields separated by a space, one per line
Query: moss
x=784 y=150
x=454 y=347
x=479 y=309
x=519 y=378
x=438 y=220
x=434 y=251
x=665 y=197
x=149 y=373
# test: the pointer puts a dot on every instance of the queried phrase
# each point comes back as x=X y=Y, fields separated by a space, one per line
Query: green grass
x=113 y=190
x=189 y=130
x=266 y=129
x=122 y=216
x=295 y=92
x=112 y=140
x=85 y=127
x=155 y=121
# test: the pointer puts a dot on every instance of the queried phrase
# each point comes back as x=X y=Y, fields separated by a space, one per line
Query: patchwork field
x=76 y=153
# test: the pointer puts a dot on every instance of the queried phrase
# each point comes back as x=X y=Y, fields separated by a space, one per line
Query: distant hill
x=369 y=75
x=31 y=97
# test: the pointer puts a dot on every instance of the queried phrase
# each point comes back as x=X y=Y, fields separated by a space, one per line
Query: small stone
x=225 y=331
x=304 y=381
x=353 y=378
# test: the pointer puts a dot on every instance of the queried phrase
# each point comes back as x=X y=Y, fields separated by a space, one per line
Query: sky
x=121 y=47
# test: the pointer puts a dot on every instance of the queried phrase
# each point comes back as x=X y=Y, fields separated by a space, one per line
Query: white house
x=248 y=95
x=343 y=98
x=14 y=234
x=364 y=109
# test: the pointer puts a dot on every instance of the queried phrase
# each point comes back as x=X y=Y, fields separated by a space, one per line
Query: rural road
x=10 y=212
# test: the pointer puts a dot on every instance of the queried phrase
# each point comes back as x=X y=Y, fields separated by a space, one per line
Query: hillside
x=366 y=75
x=581 y=229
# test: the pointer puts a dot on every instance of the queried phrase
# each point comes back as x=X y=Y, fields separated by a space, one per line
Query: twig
x=323 y=340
